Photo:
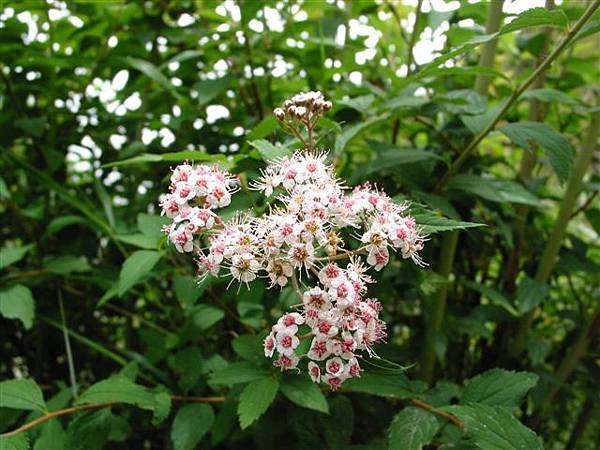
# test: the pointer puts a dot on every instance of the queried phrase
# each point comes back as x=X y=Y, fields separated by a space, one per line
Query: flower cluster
x=300 y=242
x=303 y=106
x=194 y=193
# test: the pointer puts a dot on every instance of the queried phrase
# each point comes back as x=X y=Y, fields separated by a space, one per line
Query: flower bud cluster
x=303 y=106
x=195 y=191
x=299 y=242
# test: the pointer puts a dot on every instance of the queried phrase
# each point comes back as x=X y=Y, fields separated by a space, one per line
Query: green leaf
x=175 y=157
x=209 y=89
x=17 y=303
x=66 y=264
x=34 y=126
x=255 y=400
x=353 y=131
x=499 y=387
x=17 y=442
x=560 y=153
x=432 y=223
x=89 y=431
x=305 y=393
x=264 y=128
x=268 y=151
x=530 y=293
x=339 y=425
x=493 y=296
x=411 y=429
x=537 y=17
x=495 y=428
x=190 y=425
x=549 y=95
x=494 y=189
x=235 y=373
x=22 y=394
x=121 y=389
x=151 y=71
x=249 y=347
x=135 y=267
x=205 y=316
x=389 y=156
x=11 y=255
x=139 y=240
x=393 y=386
x=53 y=437
x=187 y=290
x=151 y=225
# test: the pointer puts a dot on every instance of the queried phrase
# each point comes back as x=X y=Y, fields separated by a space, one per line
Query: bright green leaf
x=11 y=255
x=135 y=267
x=255 y=400
x=190 y=425
x=499 y=387
x=305 y=393
x=16 y=302
x=21 y=394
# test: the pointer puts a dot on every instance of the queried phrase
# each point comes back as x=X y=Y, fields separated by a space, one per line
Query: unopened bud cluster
x=299 y=242
x=303 y=106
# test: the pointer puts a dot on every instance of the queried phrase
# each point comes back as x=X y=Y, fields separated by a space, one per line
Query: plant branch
x=427 y=407
x=94 y=406
x=457 y=164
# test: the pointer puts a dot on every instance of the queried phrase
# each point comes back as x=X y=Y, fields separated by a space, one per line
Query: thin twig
x=427 y=407
x=516 y=94
x=93 y=406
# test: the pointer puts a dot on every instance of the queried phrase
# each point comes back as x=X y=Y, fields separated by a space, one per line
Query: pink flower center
x=286 y=341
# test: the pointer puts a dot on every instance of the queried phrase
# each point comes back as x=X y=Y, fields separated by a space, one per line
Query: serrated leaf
x=305 y=393
x=268 y=151
x=190 y=425
x=249 y=347
x=548 y=95
x=255 y=400
x=121 y=389
x=16 y=302
x=432 y=223
x=135 y=267
x=21 y=394
x=499 y=387
x=17 y=442
x=494 y=189
x=89 y=431
x=530 y=293
x=411 y=429
x=537 y=17
x=353 y=131
x=394 y=386
x=235 y=373
x=559 y=151
x=52 y=437
x=495 y=428
x=11 y=255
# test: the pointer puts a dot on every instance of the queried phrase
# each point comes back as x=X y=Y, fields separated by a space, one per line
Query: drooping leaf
x=235 y=373
x=537 y=17
x=255 y=400
x=305 y=393
x=411 y=429
x=530 y=293
x=499 y=387
x=22 y=394
x=190 y=425
x=353 y=131
x=11 y=255
x=268 y=151
x=121 y=389
x=495 y=428
x=151 y=71
x=432 y=223
x=494 y=189
x=560 y=153
x=17 y=303
x=135 y=267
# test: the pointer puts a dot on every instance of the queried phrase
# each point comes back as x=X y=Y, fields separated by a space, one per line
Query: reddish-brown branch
x=427 y=407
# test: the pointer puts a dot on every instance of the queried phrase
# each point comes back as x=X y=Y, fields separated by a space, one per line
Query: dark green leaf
x=22 y=394
x=411 y=429
x=235 y=373
x=304 y=392
x=255 y=400
x=190 y=425
x=135 y=267
x=499 y=387
x=530 y=293
x=494 y=189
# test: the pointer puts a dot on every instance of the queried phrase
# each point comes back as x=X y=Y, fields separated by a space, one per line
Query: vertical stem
x=70 y=362
x=413 y=38
x=488 y=51
x=559 y=230
x=583 y=419
x=439 y=306
x=568 y=364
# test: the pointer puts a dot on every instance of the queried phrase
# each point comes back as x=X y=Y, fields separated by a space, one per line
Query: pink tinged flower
x=319 y=349
x=182 y=240
x=316 y=298
x=244 y=267
x=287 y=362
x=311 y=316
x=348 y=344
x=335 y=366
x=302 y=255
x=378 y=258
x=286 y=342
x=333 y=381
x=325 y=328
x=183 y=193
x=352 y=368
x=314 y=371
x=330 y=274
x=169 y=205
x=269 y=345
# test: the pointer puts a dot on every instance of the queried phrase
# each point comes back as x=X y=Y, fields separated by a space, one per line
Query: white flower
x=244 y=267
x=314 y=371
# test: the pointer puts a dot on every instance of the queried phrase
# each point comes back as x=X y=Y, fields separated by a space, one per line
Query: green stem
x=457 y=164
x=413 y=38
x=553 y=244
x=70 y=361
x=494 y=20
x=439 y=306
